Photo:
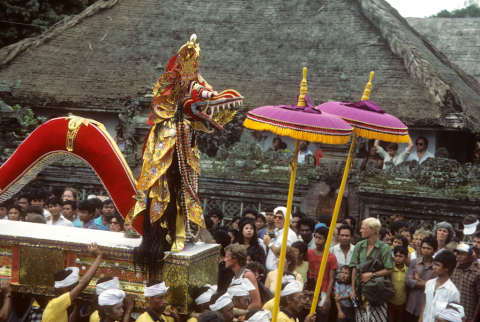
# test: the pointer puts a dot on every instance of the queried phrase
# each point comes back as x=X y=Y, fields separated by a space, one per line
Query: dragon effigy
x=183 y=103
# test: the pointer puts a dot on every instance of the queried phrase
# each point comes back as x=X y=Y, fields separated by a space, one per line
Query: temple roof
x=94 y=60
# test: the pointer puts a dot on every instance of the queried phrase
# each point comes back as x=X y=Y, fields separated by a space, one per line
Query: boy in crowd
x=441 y=290
x=35 y=215
x=396 y=303
x=68 y=288
x=270 y=218
x=103 y=222
x=156 y=297
x=37 y=198
x=314 y=258
x=466 y=278
x=69 y=211
x=86 y=212
x=54 y=205
x=392 y=155
x=343 y=293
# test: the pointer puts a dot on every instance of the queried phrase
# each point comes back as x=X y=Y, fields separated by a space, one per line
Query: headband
x=292 y=288
x=288 y=279
x=108 y=285
x=449 y=315
x=261 y=316
x=207 y=295
x=155 y=290
x=70 y=279
x=221 y=302
x=111 y=297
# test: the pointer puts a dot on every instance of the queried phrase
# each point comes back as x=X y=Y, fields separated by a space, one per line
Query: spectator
x=108 y=210
x=270 y=219
x=258 y=270
x=308 y=292
x=202 y=298
x=306 y=227
x=318 y=156
x=71 y=194
x=314 y=258
x=37 y=198
x=289 y=266
x=325 y=219
x=441 y=290
x=250 y=213
x=209 y=316
x=256 y=254
x=385 y=237
x=86 y=212
x=421 y=154
x=335 y=240
x=69 y=211
x=344 y=250
x=444 y=234
x=98 y=205
x=303 y=152
x=68 y=288
x=248 y=235
x=4 y=210
x=234 y=235
x=466 y=278
x=260 y=222
x=16 y=213
x=418 y=236
x=56 y=192
x=276 y=242
x=300 y=249
x=398 y=226
x=343 y=293
x=236 y=259
x=117 y=223
x=54 y=205
x=216 y=214
x=208 y=224
x=235 y=222
x=396 y=303
x=372 y=156
x=409 y=232
x=7 y=299
x=295 y=218
x=402 y=241
x=392 y=155
x=370 y=230
x=225 y=275
x=239 y=289
x=110 y=307
x=23 y=201
x=278 y=144
x=156 y=297
x=292 y=303
x=353 y=222
x=419 y=272
x=223 y=305
x=476 y=245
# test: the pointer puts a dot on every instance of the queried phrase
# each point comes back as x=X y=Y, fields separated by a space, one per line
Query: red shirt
x=315 y=261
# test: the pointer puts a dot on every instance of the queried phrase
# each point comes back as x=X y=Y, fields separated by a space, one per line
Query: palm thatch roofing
x=112 y=49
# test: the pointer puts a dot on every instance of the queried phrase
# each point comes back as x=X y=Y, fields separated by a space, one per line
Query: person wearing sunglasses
x=116 y=224
x=421 y=154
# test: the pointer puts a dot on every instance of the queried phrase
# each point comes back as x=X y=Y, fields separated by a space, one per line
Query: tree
x=470 y=11
x=29 y=18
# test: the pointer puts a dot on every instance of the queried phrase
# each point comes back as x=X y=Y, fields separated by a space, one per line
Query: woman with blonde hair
x=71 y=194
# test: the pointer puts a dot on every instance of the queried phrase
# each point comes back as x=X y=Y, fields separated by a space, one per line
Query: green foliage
x=29 y=18
x=27 y=121
x=470 y=11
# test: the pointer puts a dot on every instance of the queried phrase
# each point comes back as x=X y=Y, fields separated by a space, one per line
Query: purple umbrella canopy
x=300 y=122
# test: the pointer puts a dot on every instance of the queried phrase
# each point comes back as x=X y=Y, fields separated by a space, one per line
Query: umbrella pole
x=286 y=226
x=332 y=227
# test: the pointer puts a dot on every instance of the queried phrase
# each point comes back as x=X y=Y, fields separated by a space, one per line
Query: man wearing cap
x=68 y=288
x=111 y=305
x=156 y=297
x=291 y=303
x=272 y=244
x=111 y=283
x=467 y=280
x=223 y=304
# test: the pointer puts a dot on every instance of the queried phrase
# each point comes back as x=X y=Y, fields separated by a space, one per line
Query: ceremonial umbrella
x=370 y=121
x=301 y=122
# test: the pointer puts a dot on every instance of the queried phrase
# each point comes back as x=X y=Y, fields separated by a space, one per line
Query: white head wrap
x=70 y=279
x=108 y=285
x=449 y=314
x=111 y=297
x=206 y=296
x=459 y=308
x=221 y=302
x=155 y=290
x=283 y=210
x=240 y=287
x=288 y=279
x=261 y=316
x=292 y=288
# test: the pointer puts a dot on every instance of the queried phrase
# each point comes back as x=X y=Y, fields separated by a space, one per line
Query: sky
x=424 y=8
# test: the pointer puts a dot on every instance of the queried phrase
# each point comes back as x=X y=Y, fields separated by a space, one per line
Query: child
x=343 y=291
x=400 y=240
x=16 y=213
x=86 y=213
x=396 y=303
x=314 y=258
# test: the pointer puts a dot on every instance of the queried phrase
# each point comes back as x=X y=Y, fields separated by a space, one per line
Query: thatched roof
x=94 y=60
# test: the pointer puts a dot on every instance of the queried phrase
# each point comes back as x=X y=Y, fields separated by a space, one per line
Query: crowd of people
x=397 y=273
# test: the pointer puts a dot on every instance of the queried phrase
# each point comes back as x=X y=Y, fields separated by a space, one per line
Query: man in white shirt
x=441 y=290
x=421 y=154
x=392 y=154
x=54 y=205
x=273 y=244
x=303 y=151
x=344 y=250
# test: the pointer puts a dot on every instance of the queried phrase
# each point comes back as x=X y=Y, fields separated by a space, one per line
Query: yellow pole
x=286 y=226
x=366 y=96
